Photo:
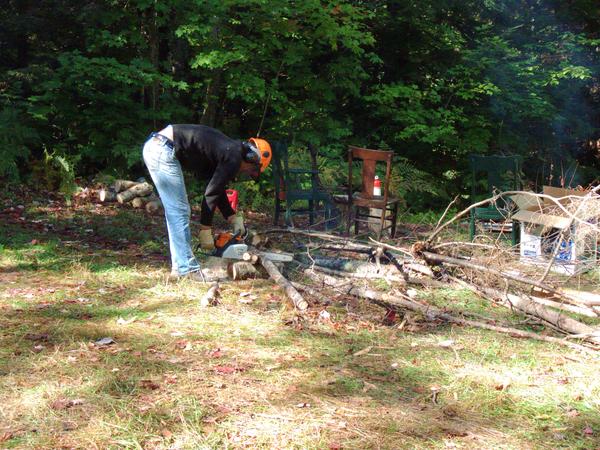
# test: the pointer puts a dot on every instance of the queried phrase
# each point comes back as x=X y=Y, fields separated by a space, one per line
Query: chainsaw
x=233 y=246
x=230 y=246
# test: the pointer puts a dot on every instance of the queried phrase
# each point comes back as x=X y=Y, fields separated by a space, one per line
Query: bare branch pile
x=333 y=265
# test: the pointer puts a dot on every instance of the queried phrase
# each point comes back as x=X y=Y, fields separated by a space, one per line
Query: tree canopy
x=84 y=82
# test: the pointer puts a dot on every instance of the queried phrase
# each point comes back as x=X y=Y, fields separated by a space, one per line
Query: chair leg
x=394 y=220
x=277 y=212
x=288 y=214
x=382 y=222
x=348 y=219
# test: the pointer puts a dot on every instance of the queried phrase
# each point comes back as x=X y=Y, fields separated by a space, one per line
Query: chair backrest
x=369 y=159
x=502 y=173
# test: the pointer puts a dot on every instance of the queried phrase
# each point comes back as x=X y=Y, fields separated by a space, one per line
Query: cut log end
x=243 y=270
x=107 y=195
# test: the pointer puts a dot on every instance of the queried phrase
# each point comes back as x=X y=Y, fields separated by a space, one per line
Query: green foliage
x=64 y=167
x=432 y=80
x=15 y=139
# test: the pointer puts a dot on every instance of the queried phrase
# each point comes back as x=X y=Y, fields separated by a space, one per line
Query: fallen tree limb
x=291 y=292
x=528 y=306
x=349 y=268
x=350 y=244
x=437 y=258
x=431 y=313
x=358 y=276
x=584 y=298
x=582 y=310
x=338 y=248
x=310 y=291
x=338 y=264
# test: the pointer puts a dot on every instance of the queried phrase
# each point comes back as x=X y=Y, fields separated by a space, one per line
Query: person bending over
x=211 y=156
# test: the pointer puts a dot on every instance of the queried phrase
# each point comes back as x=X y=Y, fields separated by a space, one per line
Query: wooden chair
x=358 y=202
x=490 y=174
x=294 y=186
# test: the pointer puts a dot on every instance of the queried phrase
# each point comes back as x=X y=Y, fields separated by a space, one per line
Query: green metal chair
x=298 y=185
x=500 y=173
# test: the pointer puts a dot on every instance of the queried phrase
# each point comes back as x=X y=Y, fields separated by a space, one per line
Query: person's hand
x=207 y=241
x=237 y=222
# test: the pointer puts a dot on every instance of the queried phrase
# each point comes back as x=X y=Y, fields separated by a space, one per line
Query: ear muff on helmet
x=250 y=153
x=263 y=151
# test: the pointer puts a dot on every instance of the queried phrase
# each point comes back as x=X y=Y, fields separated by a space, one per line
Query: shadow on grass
x=394 y=402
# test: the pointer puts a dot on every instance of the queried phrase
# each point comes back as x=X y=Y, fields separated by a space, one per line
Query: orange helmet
x=263 y=148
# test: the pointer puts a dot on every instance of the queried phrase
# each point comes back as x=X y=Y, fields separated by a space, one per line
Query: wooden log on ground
x=154 y=206
x=139 y=190
x=252 y=258
x=340 y=264
x=290 y=290
x=140 y=202
x=432 y=313
x=582 y=297
x=366 y=271
x=216 y=267
x=554 y=318
x=582 y=310
x=107 y=194
x=243 y=270
x=425 y=282
x=122 y=185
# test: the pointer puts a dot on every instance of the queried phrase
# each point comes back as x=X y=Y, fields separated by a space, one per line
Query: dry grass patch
x=249 y=373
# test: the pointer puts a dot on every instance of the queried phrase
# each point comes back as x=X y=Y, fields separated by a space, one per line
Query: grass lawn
x=247 y=373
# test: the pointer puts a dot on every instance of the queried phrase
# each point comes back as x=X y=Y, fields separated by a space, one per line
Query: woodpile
x=138 y=194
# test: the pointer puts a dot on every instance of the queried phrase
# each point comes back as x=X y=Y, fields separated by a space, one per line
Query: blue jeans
x=167 y=176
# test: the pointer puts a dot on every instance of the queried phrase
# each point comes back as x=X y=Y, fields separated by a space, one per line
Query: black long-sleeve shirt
x=211 y=156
